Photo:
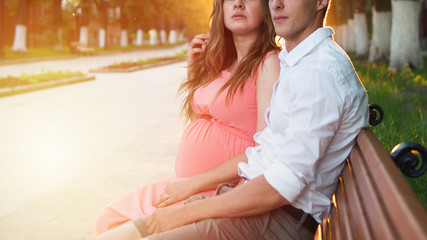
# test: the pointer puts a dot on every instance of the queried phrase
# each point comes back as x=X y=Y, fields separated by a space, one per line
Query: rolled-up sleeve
x=315 y=106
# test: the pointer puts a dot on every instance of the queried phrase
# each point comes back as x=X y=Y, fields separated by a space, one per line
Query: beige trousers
x=277 y=224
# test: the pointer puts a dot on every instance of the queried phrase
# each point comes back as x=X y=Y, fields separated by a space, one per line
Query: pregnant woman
x=231 y=73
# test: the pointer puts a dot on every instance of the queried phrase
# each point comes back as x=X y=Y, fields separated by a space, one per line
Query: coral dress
x=221 y=131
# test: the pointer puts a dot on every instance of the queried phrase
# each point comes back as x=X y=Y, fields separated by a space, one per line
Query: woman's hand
x=176 y=191
x=197 y=45
x=165 y=219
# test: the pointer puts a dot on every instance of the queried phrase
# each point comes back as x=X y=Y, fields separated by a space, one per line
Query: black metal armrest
x=411 y=158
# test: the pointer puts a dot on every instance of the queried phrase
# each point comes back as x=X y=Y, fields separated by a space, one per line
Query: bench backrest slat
x=372 y=203
x=344 y=218
x=353 y=199
x=403 y=206
x=373 y=199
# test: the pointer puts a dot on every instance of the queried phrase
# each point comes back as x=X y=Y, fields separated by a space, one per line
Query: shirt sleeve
x=315 y=112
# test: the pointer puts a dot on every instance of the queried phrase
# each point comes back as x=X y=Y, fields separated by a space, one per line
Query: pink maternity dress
x=205 y=144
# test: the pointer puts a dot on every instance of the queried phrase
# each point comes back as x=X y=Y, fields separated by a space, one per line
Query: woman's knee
x=108 y=219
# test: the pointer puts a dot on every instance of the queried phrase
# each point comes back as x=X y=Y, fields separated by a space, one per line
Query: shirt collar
x=305 y=46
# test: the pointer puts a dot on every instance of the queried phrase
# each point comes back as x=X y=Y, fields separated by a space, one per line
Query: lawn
x=40 y=52
x=130 y=64
x=26 y=79
x=403 y=97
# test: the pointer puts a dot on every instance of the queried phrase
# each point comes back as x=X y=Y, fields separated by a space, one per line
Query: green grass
x=40 y=52
x=403 y=97
x=141 y=62
x=24 y=79
x=133 y=48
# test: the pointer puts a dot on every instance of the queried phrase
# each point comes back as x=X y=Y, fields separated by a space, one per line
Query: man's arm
x=252 y=198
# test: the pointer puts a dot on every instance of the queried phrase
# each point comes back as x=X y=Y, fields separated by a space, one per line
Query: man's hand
x=175 y=191
x=167 y=218
x=197 y=45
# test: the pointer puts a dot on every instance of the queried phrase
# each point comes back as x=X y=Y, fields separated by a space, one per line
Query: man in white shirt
x=317 y=109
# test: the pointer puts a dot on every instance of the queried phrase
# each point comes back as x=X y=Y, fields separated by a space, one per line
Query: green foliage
x=24 y=79
x=141 y=62
x=37 y=52
x=403 y=96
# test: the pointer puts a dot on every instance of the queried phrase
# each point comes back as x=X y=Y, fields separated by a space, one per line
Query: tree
x=381 y=29
x=2 y=52
x=361 y=29
x=405 y=36
x=102 y=6
x=84 y=25
x=335 y=19
x=57 y=24
x=20 y=40
x=124 y=24
x=136 y=13
x=350 y=29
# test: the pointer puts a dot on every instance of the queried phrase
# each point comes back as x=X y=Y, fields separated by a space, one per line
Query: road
x=66 y=152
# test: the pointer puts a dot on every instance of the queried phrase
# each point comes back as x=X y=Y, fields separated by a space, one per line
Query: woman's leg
x=126 y=231
x=134 y=204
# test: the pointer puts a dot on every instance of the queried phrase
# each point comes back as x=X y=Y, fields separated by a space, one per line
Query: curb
x=72 y=56
x=4 y=92
x=136 y=68
x=39 y=59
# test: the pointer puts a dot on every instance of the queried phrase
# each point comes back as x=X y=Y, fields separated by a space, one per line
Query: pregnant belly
x=206 y=145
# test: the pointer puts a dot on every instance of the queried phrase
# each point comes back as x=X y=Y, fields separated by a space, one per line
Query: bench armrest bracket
x=407 y=157
x=376 y=114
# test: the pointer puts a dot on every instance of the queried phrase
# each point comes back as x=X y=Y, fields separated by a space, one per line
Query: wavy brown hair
x=220 y=53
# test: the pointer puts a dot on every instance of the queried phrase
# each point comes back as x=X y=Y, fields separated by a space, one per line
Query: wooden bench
x=373 y=199
x=81 y=48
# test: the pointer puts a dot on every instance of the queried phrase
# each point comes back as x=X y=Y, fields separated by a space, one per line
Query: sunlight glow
x=280 y=42
x=334 y=201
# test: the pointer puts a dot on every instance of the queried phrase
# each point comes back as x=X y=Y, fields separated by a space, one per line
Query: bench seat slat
x=397 y=195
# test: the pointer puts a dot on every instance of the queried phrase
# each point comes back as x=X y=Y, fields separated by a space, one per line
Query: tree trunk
x=381 y=31
x=124 y=38
x=103 y=7
x=84 y=27
x=2 y=52
x=361 y=29
x=124 y=24
x=339 y=21
x=163 y=36
x=350 y=29
x=405 y=35
x=139 y=37
x=20 y=40
x=173 y=36
x=57 y=24
x=102 y=38
x=153 y=37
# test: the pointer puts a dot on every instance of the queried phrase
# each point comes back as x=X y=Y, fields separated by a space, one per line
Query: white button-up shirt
x=317 y=109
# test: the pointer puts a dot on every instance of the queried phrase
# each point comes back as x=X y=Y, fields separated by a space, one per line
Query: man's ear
x=322 y=4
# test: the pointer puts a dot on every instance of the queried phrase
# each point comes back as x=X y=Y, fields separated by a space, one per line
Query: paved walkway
x=66 y=152
x=84 y=63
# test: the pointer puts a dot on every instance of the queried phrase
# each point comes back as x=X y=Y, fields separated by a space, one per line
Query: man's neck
x=293 y=41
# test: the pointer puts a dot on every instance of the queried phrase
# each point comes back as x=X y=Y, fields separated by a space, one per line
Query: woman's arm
x=267 y=76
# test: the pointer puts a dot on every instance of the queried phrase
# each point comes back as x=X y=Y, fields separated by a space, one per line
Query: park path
x=66 y=152
x=85 y=63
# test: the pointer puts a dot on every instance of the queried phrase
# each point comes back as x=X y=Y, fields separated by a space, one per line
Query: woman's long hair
x=220 y=53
